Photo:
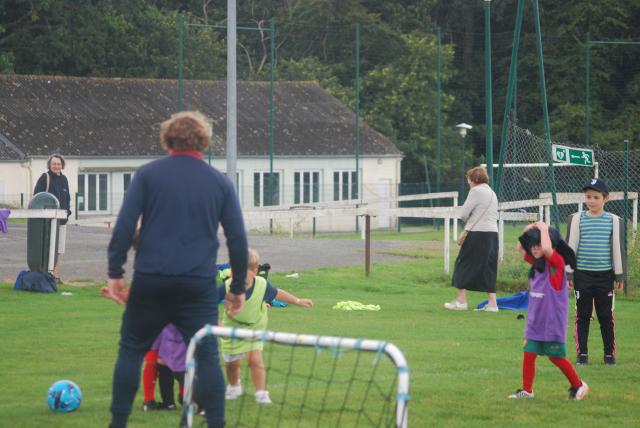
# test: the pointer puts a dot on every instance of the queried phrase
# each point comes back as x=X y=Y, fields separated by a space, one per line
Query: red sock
x=568 y=370
x=528 y=371
x=149 y=375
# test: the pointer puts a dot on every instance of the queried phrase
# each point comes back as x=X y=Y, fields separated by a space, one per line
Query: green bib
x=253 y=316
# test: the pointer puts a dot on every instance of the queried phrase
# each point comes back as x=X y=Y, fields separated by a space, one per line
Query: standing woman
x=54 y=182
x=476 y=266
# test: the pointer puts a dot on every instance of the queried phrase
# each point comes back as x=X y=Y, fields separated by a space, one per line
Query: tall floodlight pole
x=488 y=89
x=232 y=100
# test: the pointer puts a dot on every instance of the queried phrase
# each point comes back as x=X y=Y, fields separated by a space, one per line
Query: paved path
x=86 y=256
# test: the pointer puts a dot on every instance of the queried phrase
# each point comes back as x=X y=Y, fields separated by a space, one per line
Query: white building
x=107 y=128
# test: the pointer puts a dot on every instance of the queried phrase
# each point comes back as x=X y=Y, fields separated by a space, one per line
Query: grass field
x=462 y=365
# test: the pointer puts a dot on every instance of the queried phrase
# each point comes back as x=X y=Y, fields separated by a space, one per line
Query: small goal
x=314 y=381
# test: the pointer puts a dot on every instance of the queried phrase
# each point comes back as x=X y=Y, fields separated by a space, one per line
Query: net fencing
x=526 y=173
x=313 y=381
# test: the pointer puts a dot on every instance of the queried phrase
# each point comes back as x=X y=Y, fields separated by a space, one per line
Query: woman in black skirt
x=476 y=266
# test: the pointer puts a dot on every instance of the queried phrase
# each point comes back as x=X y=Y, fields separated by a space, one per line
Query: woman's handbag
x=465 y=233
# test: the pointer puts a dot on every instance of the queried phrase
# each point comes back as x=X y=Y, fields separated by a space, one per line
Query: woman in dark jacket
x=54 y=182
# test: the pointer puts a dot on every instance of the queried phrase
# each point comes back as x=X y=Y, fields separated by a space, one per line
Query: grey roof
x=80 y=116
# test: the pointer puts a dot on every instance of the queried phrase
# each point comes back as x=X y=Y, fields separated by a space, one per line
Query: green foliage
x=400 y=97
x=316 y=40
x=311 y=68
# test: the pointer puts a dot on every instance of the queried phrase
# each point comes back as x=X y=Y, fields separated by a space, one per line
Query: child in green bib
x=253 y=316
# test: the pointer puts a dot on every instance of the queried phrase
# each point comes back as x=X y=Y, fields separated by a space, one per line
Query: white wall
x=379 y=177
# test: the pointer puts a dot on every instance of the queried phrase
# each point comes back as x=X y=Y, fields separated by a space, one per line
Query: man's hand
x=570 y=283
x=116 y=291
x=618 y=285
x=233 y=303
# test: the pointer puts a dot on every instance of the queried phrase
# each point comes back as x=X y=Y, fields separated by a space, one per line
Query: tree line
x=315 y=40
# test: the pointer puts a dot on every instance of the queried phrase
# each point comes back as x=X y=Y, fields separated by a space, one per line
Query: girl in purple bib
x=546 y=330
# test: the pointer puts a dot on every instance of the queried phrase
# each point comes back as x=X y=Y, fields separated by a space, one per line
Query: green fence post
x=357 y=108
x=180 y=60
x=543 y=93
x=21 y=200
x=488 y=90
x=438 y=109
x=76 y=206
x=626 y=209
x=587 y=90
x=272 y=68
x=511 y=90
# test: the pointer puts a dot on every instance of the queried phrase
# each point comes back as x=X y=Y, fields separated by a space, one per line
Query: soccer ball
x=64 y=396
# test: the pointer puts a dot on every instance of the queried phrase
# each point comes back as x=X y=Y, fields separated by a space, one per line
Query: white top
x=480 y=210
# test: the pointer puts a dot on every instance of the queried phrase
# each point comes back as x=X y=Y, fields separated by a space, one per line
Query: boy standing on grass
x=598 y=240
x=546 y=331
x=253 y=316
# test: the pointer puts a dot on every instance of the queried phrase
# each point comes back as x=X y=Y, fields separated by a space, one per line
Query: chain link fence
x=526 y=173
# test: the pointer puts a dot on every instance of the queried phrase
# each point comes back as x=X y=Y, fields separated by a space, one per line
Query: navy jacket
x=181 y=200
x=58 y=187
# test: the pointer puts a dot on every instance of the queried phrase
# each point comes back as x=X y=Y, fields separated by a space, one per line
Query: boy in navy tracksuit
x=597 y=237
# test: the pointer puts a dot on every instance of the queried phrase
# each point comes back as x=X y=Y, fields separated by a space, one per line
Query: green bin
x=39 y=233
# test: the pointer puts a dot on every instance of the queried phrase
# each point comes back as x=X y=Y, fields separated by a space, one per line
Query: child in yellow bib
x=253 y=316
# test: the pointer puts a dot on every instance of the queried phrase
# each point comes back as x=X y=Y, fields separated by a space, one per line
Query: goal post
x=355 y=387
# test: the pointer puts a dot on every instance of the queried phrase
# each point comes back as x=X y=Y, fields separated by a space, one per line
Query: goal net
x=313 y=381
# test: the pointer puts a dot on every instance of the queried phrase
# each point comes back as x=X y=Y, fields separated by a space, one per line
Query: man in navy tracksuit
x=181 y=200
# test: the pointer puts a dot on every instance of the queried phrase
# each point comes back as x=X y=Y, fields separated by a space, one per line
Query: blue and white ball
x=64 y=396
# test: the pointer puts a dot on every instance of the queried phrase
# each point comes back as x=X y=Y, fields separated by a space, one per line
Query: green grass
x=462 y=365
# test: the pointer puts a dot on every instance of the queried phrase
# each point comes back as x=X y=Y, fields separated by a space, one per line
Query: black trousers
x=590 y=288
x=155 y=301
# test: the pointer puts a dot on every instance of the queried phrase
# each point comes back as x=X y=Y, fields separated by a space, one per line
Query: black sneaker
x=610 y=360
x=583 y=360
x=148 y=406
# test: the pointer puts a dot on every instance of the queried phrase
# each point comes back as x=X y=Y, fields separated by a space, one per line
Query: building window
x=306 y=187
x=262 y=187
x=127 y=180
x=93 y=192
x=344 y=185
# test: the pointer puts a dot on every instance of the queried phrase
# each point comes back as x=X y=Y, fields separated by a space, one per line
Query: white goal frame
x=308 y=340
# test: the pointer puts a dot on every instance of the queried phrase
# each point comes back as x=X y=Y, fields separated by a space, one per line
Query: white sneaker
x=488 y=308
x=233 y=392
x=520 y=393
x=578 y=394
x=262 y=397
x=455 y=306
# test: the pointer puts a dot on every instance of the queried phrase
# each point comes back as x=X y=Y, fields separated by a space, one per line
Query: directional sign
x=572 y=155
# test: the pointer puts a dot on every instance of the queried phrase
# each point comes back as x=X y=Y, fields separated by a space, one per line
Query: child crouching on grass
x=254 y=317
x=546 y=330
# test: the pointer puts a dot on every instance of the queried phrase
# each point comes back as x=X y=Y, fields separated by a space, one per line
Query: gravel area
x=86 y=253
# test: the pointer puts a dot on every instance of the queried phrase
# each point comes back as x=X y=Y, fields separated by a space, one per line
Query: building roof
x=79 y=116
